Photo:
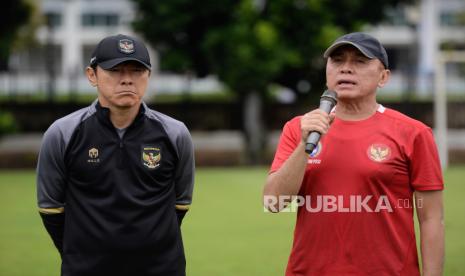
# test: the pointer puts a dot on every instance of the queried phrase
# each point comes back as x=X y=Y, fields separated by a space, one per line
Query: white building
x=66 y=43
x=414 y=36
x=76 y=26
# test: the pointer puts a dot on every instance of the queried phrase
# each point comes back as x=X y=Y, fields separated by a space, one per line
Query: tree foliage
x=15 y=14
x=250 y=44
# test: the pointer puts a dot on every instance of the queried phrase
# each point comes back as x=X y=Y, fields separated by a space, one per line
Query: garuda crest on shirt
x=151 y=157
x=379 y=152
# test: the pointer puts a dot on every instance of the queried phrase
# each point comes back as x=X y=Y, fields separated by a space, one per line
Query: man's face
x=354 y=76
x=122 y=86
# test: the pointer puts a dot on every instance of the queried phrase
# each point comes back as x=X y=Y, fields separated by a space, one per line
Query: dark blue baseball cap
x=113 y=50
x=366 y=44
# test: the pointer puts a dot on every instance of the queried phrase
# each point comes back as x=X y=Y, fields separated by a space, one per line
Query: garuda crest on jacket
x=151 y=157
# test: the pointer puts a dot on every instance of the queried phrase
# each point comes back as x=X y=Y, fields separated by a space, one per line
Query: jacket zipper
x=120 y=164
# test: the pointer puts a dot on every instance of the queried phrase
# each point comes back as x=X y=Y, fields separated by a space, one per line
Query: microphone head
x=329 y=95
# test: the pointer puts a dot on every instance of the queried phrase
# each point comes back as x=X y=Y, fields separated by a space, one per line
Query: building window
x=450 y=18
x=53 y=19
x=396 y=17
x=99 y=19
x=40 y=59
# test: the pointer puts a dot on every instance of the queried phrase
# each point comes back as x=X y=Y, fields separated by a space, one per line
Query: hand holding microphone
x=327 y=102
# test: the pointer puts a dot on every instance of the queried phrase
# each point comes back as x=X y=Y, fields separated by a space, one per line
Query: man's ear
x=385 y=76
x=91 y=75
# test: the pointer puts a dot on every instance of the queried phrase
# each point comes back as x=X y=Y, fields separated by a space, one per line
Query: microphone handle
x=314 y=136
x=310 y=145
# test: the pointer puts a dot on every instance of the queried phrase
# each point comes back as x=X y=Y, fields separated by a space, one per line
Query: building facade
x=411 y=34
x=65 y=44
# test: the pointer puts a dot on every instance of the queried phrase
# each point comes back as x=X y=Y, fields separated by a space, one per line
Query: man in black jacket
x=115 y=179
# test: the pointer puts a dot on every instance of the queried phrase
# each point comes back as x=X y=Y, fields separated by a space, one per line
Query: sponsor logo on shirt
x=151 y=157
x=316 y=151
x=379 y=152
x=93 y=156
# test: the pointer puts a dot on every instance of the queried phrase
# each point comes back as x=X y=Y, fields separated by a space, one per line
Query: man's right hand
x=316 y=120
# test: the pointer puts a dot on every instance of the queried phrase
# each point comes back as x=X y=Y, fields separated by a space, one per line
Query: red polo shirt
x=358 y=189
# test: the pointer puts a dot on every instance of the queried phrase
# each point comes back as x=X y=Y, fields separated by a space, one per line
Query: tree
x=251 y=44
x=15 y=14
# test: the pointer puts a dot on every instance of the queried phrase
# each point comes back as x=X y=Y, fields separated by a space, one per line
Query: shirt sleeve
x=425 y=168
x=51 y=172
x=184 y=178
x=287 y=143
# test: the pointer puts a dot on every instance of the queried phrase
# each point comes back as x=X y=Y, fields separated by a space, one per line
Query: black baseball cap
x=366 y=44
x=113 y=50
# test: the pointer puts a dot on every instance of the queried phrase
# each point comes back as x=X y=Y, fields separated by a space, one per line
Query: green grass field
x=225 y=233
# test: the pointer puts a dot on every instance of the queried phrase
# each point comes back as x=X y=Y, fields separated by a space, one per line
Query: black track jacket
x=110 y=202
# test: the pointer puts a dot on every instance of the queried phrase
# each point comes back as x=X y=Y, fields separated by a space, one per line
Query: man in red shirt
x=355 y=190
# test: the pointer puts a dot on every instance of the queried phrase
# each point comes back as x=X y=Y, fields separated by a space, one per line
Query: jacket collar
x=103 y=114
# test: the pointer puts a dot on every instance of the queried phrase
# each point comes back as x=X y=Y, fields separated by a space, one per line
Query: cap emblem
x=126 y=46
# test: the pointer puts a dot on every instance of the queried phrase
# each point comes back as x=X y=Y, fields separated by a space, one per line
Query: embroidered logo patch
x=126 y=46
x=93 y=156
x=379 y=152
x=151 y=157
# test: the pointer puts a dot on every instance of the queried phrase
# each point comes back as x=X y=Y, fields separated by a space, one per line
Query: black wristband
x=55 y=225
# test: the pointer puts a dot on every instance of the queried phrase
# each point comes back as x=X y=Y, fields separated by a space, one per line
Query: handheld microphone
x=327 y=102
